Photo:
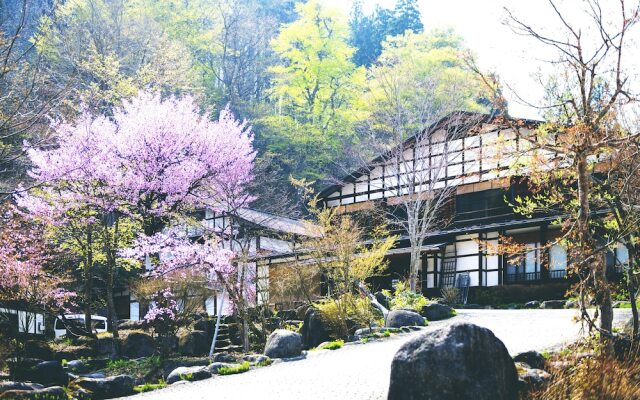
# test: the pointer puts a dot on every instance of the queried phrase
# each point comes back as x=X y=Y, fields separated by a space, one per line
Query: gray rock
x=314 y=330
x=256 y=358
x=50 y=393
x=366 y=331
x=11 y=385
x=188 y=374
x=48 y=373
x=553 y=304
x=572 y=304
x=532 y=358
x=458 y=362
x=105 y=388
x=302 y=311
x=283 y=344
x=169 y=365
x=138 y=344
x=194 y=343
x=400 y=318
x=224 y=357
x=532 y=304
x=77 y=366
x=437 y=312
x=532 y=378
x=131 y=324
x=215 y=367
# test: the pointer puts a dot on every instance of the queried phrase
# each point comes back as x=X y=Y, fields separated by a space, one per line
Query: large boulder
x=458 y=362
x=532 y=358
x=400 y=318
x=11 y=385
x=188 y=374
x=214 y=368
x=170 y=364
x=437 y=311
x=283 y=344
x=194 y=343
x=104 y=388
x=138 y=344
x=553 y=304
x=47 y=373
x=50 y=393
x=314 y=330
x=131 y=324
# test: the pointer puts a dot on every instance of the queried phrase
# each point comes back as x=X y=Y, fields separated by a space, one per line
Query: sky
x=515 y=58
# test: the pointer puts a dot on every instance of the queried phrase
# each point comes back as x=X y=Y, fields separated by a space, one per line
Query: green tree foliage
x=368 y=32
x=316 y=92
x=104 y=51
x=426 y=76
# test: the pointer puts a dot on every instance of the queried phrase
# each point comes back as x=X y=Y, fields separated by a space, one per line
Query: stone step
x=230 y=348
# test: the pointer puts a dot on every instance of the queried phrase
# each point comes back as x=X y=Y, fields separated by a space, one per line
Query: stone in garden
x=170 y=364
x=50 y=393
x=77 y=366
x=532 y=358
x=188 y=374
x=400 y=318
x=48 y=373
x=204 y=324
x=366 y=331
x=213 y=368
x=572 y=304
x=105 y=388
x=437 y=312
x=283 y=344
x=11 y=385
x=256 y=358
x=224 y=357
x=532 y=304
x=194 y=343
x=138 y=344
x=532 y=378
x=553 y=304
x=131 y=324
x=314 y=330
x=458 y=362
x=302 y=311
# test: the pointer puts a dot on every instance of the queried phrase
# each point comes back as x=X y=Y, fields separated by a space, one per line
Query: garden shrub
x=346 y=313
x=450 y=295
x=403 y=298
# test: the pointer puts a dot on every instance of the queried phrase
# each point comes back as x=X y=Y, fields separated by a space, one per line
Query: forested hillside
x=309 y=79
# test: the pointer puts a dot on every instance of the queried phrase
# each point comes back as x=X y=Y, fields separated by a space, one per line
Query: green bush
x=341 y=314
x=403 y=298
x=236 y=369
x=335 y=345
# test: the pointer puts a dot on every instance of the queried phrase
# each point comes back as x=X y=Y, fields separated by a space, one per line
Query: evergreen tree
x=406 y=17
x=369 y=31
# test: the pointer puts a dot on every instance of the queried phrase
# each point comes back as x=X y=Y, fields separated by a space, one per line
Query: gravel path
x=361 y=371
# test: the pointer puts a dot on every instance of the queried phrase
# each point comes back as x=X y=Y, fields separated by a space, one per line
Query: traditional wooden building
x=470 y=155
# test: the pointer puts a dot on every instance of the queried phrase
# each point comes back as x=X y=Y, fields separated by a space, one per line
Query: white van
x=98 y=323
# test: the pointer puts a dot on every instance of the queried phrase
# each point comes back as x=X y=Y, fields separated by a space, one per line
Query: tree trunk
x=88 y=283
x=111 y=308
x=414 y=268
x=587 y=244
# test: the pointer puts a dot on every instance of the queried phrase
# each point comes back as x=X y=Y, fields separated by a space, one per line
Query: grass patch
x=137 y=368
x=335 y=345
x=386 y=333
x=237 y=369
x=148 y=387
x=364 y=340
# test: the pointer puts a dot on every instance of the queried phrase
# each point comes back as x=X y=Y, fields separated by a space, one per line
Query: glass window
x=557 y=258
x=622 y=254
